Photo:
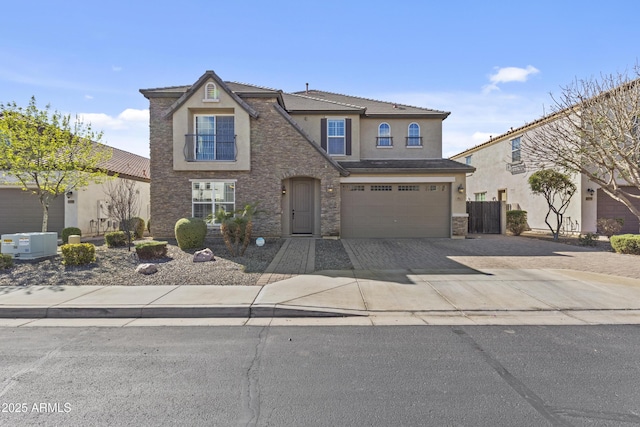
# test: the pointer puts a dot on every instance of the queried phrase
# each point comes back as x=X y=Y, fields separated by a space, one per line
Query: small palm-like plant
x=236 y=227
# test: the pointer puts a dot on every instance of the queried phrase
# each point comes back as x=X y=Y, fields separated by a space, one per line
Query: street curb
x=167 y=312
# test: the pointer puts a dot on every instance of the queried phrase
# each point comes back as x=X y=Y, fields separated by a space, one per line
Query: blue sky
x=492 y=64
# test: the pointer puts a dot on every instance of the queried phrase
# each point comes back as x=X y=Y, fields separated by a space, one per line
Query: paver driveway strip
x=485 y=252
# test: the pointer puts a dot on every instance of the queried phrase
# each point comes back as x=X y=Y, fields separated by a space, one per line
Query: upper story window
x=384 y=135
x=208 y=197
x=214 y=139
x=515 y=150
x=467 y=160
x=211 y=92
x=336 y=137
x=414 y=139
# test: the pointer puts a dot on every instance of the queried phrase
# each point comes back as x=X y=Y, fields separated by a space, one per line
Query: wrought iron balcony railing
x=414 y=141
x=210 y=148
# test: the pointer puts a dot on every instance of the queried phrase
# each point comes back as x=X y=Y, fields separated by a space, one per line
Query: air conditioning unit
x=103 y=209
x=29 y=245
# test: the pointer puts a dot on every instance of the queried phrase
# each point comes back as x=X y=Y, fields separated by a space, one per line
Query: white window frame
x=214 y=203
x=481 y=197
x=336 y=137
x=409 y=136
x=518 y=150
x=208 y=93
x=386 y=136
x=195 y=132
x=467 y=160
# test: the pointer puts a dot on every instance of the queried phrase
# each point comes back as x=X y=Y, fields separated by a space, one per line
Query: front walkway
x=296 y=256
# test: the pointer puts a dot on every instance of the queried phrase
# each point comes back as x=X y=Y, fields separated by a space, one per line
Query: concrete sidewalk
x=491 y=296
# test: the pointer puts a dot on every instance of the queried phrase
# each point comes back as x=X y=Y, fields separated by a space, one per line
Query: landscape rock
x=146 y=269
x=203 y=255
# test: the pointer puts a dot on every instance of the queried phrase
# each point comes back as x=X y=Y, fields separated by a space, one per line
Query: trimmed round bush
x=190 y=233
x=115 y=239
x=516 y=221
x=626 y=244
x=78 y=253
x=70 y=231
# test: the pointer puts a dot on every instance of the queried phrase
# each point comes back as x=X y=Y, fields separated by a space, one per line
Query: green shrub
x=149 y=225
x=115 y=239
x=6 y=261
x=190 y=233
x=136 y=227
x=70 y=231
x=78 y=253
x=516 y=221
x=609 y=226
x=151 y=249
x=589 y=239
x=626 y=244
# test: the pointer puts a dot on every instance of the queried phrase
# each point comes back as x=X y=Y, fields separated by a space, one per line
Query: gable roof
x=188 y=91
x=373 y=107
x=127 y=165
x=302 y=104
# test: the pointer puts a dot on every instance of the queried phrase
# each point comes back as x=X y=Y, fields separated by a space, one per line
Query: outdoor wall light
x=591 y=191
x=69 y=194
x=460 y=189
x=329 y=188
x=284 y=190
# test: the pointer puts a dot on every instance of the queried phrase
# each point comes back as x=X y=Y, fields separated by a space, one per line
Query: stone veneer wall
x=278 y=151
x=459 y=225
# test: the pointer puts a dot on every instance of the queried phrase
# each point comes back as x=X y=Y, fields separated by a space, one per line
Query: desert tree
x=594 y=129
x=123 y=198
x=48 y=153
x=557 y=189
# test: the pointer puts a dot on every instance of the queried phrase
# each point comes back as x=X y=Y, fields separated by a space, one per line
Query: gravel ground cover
x=116 y=266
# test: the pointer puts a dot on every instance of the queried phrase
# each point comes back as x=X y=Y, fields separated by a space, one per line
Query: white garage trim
x=395 y=179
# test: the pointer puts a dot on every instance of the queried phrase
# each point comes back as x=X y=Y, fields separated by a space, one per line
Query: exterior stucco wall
x=278 y=152
x=311 y=124
x=493 y=178
x=183 y=124
x=430 y=131
x=82 y=207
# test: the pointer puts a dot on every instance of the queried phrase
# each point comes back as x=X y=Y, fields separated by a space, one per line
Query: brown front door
x=302 y=206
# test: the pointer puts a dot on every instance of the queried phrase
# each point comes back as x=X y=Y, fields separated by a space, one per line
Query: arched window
x=384 y=135
x=413 y=136
x=210 y=92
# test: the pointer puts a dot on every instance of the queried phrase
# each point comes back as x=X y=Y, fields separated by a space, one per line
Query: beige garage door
x=396 y=210
x=610 y=208
x=21 y=212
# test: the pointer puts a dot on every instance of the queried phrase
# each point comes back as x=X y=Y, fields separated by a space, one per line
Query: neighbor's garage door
x=21 y=212
x=610 y=208
x=395 y=210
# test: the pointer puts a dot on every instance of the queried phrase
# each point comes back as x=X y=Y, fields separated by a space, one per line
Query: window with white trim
x=515 y=150
x=210 y=92
x=336 y=137
x=214 y=137
x=467 y=160
x=481 y=197
x=384 y=135
x=208 y=197
x=414 y=139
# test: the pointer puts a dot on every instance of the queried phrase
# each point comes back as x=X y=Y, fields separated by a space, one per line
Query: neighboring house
x=84 y=208
x=502 y=174
x=318 y=163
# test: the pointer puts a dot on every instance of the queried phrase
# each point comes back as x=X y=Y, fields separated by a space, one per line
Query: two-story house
x=318 y=163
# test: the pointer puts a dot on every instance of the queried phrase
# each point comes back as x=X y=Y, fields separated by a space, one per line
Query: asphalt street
x=321 y=376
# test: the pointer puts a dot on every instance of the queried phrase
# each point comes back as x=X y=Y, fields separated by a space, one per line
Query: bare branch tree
x=124 y=204
x=594 y=130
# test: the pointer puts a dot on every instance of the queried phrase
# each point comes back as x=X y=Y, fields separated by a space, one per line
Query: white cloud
x=116 y=68
x=509 y=74
x=88 y=97
x=128 y=131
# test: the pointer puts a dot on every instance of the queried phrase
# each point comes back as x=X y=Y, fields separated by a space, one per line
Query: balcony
x=210 y=148
x=414 y=141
